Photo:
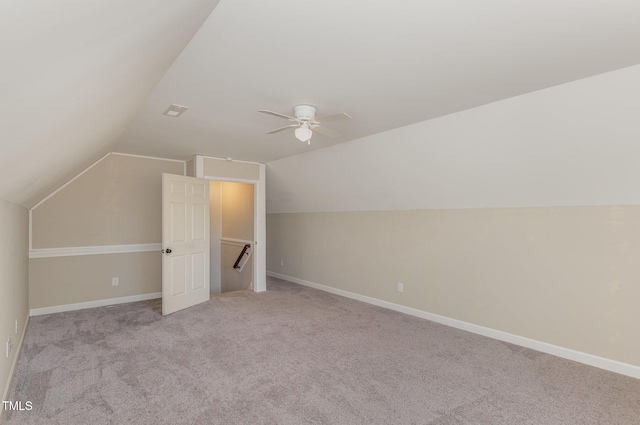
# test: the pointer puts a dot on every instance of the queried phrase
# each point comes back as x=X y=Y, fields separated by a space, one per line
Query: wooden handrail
x=244 y=251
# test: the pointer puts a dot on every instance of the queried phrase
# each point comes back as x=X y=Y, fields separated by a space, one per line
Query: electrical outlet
x=16 y=325
x=114 y=281
x=400 y=287
x=281 y=263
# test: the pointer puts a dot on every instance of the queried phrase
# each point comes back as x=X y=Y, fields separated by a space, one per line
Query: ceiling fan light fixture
x=303 y=133
x=305 y=121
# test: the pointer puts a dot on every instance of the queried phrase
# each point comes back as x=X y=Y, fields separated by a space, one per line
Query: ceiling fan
x=306 y=122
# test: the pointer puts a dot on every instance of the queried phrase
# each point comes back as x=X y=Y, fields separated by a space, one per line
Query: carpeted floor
x=294 y=355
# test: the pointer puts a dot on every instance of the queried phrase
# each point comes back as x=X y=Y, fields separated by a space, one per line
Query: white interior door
x=185 y=242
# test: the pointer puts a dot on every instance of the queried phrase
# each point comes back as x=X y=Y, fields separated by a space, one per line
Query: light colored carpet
x=294 y=355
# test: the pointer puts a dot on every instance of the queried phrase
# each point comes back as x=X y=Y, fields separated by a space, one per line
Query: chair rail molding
x=93 y=250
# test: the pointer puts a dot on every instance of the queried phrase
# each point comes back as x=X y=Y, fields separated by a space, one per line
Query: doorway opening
x=232 y=218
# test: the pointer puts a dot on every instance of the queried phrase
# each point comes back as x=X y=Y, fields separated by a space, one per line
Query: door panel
x=198 y=265
x=185 y=242
x=198 y=218
x=178 y=223
x=178 y=274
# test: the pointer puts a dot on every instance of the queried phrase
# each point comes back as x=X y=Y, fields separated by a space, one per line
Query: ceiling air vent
x=175 y=110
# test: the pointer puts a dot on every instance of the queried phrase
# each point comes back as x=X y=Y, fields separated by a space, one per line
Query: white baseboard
x=566 y=353
x=92 y=304
x=12 y=371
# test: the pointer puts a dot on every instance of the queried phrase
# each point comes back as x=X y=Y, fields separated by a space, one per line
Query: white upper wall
x=573 y=144
x=73 y=75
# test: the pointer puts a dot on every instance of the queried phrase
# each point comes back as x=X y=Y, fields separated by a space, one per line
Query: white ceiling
x=77 y=78
x=388 y=64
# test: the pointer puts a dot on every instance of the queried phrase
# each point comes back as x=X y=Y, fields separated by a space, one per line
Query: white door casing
x=260 y=217
x=185 y=242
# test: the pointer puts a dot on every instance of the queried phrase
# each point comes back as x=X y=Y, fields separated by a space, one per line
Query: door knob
x=166 y=251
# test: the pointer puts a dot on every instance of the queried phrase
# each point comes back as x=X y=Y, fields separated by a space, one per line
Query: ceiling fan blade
x=335 y=117
x=276 y=114
x=325 y=131
x=278 y=130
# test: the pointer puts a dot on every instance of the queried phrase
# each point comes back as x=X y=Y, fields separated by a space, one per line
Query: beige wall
x=568 y=276
x=83 y=278
x=116 y=202
x=14 y=283
x=237 y=223
x=237 y=211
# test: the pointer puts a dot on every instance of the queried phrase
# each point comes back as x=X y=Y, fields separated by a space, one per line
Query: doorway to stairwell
x=232 y=218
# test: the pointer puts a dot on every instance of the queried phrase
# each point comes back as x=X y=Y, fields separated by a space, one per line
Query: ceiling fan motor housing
x=304 y=112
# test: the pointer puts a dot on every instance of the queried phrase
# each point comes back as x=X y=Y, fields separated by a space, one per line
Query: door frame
x=259 y=255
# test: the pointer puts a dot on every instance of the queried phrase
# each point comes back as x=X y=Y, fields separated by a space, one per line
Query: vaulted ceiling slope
x=386 y=63
x=73 y=75
x=81 y=78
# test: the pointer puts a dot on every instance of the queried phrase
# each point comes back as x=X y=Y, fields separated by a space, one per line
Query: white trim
x=259 y=282
x=230 y=179
x=199 y=166
x=260 y=232
x=15 y=363
x=147 y=157
x=30 y=229
x=232 y=160
x=93 y=304
x=94 y=250
x=235 y=242
x=70 y=181
x=566 y=353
